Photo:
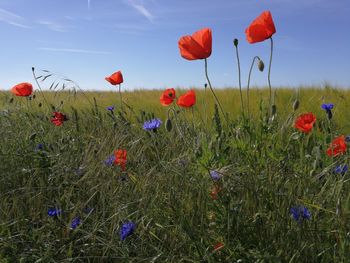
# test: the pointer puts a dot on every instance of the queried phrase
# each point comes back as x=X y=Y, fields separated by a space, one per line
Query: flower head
x=126 y=230
x=110 y=160
x=218 y=246
x=327 y=106
x=197 y=46
x=116 y=78
x=337 y=147
x=152 y=124
x=75 y=223
x=110 y=108
x=54 y=212
x=214 y=192
x=341 y=169
x=39 y=147
x=187 y=100
x=58 y=118
x=120 y=158
x=22 y=89
x=261 y=28
x=300 y=213
x=215 y=175
x=167 y=97
x=305 y=122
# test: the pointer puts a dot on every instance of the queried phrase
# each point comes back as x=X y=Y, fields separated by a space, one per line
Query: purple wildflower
x=152 y=124
x=110 y=108
x=75 y=223
x=215 y=175
x=341 y=169
x=39 y=147
x=300 y=213
x=126 y=230
x=110 y=160
x=54 y=212
x=328 y=108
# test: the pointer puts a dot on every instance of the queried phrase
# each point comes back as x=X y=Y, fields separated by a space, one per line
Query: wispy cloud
x=141 y=9
x=53 y=26
x=12 y=19
x=73 y=50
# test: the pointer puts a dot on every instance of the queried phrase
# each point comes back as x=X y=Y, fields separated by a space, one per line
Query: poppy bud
x=11 y=100
x=261 y=65
x=39 y=104
x=34 y=96
x=205 y=85
x=235 y=42
x=295 y=105
x=33 y=68
x=168 y=125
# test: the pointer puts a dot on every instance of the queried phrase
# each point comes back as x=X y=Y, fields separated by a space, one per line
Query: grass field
x=181 y=214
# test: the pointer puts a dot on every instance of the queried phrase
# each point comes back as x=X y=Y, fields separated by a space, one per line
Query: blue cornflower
x=39 y=147
x=215 y=175
x=126 y=230
x=328 y=108
x=110 y=160
x=347 y=138
x=341 y=169
x=152 y=124
x=54 y=212
x=300 y=213
x=110 y=108
x=75 y=222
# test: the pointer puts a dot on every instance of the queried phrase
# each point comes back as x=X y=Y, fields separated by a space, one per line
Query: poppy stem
x=269 y=73
x=212 y=91
x=239 y=78
x=248 y=84
x=121 y=99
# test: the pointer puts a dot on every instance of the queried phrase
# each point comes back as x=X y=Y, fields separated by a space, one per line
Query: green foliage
x=267 y=167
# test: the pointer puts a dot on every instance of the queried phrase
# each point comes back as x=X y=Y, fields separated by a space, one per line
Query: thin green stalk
x=269 y=73
x=248 y=84
x=212 y=91
x=121 y=99
x=239 y=79
x=205 y=105
x=37 y=83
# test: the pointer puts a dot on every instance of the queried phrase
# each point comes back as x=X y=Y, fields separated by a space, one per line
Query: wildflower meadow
x=176 y=175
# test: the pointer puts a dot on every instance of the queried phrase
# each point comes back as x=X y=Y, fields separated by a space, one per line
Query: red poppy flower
x=305 y=122
x=22 y=89
x=218 y=246
x=120 y=158
x=116 y=78
x=214 y=192
x=187 y=100
x=167 y=97
x=197 y=46
x=58 y=118
x=261 y=28
x=338 y=146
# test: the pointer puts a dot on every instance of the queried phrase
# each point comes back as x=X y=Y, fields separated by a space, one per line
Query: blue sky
x=86 y=40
